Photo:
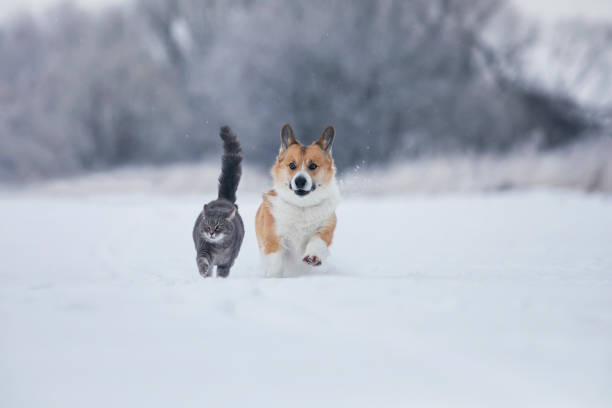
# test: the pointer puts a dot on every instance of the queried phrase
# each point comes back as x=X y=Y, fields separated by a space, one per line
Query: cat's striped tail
x=230 y=165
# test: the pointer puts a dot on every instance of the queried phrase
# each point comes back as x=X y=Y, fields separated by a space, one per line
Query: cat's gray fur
x=218 y=230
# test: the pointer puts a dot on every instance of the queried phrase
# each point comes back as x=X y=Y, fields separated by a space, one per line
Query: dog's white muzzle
x=302 y=183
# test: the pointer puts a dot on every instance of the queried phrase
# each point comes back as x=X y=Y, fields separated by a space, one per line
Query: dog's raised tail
x=230 y=165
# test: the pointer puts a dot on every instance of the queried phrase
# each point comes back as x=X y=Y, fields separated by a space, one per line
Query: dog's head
x=303 y=173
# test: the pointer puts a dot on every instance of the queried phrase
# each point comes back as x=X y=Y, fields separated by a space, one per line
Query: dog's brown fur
x=265 y=226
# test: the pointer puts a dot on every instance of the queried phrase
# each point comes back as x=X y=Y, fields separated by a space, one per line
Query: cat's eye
x=312 y=166
x=292 y=166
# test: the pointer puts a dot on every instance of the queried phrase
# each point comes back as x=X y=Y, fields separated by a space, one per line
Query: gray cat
x=218 y=230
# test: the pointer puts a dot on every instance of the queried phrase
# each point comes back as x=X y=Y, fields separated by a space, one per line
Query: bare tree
x=151 y=82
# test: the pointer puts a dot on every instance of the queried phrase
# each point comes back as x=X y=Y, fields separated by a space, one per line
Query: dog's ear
x=287 y=137
x=327 y=139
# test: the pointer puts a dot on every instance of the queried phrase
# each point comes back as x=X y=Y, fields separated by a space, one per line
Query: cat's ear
x=287 y=137
x=205 y=209
x=232 y=214
x=327 y=139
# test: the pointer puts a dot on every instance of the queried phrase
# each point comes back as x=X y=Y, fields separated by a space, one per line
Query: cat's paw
x=223 y=271
x=312 y=260
x=204 y=267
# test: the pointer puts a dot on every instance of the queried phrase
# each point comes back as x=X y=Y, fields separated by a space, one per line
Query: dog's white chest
x=296 y=225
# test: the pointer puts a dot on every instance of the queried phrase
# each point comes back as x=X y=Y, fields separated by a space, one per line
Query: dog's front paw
x=204 y=267
x=312 y=260
x=316 y=252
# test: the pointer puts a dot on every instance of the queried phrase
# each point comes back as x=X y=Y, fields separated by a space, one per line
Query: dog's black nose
x=300 y=182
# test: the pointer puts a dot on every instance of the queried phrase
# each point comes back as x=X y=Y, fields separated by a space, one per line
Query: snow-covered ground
x=493 y=300
x=584 y=166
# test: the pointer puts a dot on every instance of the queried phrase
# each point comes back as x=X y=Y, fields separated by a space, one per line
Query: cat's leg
x=204 y=265
x=223 y=270
x=317 y=249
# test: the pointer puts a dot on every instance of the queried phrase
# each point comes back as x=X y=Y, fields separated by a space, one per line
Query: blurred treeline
x=151 y=82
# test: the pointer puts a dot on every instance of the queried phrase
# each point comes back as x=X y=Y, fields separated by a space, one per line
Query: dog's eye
x=292 y=166
x=312 y=166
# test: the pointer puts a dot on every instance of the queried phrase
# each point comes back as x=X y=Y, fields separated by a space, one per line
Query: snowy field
x=493 y=300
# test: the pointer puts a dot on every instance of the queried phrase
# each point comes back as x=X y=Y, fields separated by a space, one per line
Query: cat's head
x=217 y=217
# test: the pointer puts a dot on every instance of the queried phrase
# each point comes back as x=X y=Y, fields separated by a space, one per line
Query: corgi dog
x=295 y=223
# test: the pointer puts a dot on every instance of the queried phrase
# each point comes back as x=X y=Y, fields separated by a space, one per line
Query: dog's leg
x=271 y=250
x=273 y=264
x=268 y=241
x=316 y=251
x=317 y=248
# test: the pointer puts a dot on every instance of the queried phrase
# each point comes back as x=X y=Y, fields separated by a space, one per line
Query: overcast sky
x=546 y=10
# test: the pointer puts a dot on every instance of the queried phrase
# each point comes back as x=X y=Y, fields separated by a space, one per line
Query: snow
x=584 y=166
x=543 y=10
x=498 y=299
x=12 y=8
x=558 y=10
